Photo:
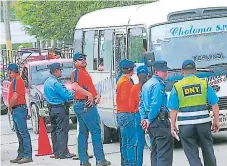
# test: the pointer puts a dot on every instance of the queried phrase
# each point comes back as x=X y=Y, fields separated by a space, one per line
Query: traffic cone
x=44 y=147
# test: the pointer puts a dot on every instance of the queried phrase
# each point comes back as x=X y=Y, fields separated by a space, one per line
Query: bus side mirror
x=150 y=59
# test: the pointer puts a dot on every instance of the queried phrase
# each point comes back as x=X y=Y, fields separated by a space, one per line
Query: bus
x=174 y=30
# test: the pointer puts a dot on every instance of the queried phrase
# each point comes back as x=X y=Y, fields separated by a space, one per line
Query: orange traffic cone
x=44 y=147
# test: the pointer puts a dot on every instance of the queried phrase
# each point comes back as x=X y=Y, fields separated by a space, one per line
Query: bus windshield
x=204 y=41
x=39 y=74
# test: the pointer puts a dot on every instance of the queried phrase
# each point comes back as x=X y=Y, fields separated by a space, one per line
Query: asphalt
x=9 y=145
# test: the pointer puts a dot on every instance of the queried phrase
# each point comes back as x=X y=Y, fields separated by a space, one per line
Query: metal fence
x=33 y=54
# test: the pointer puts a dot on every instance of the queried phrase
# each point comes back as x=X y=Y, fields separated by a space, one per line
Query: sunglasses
x=81 y=59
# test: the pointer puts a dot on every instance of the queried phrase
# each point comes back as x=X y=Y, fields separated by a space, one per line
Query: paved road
x=9 y=146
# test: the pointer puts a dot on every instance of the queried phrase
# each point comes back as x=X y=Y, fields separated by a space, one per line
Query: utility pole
x=7 y=31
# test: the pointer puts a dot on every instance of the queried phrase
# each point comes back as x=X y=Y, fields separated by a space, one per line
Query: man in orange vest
x=142 y=73
x=86 y=98
x=125 y=116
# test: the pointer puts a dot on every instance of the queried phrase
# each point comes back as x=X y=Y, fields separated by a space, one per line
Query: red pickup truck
x=34 y=74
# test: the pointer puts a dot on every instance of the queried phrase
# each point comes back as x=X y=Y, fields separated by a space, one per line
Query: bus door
x=120 y=39
x=119 y=48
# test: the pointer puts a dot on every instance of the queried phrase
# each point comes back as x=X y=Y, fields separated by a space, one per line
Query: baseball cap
x=54 y=66
x=13 y=67
x=142 y=69
x=127 y=64
x=78 y=55
x=188 y=64
x=160 y=66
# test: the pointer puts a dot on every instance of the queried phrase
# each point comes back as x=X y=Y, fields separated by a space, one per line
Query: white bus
x=175 y=30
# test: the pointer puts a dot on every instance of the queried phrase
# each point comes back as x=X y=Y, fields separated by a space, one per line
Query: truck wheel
x=4 y=111
x=35 y=118
x=11 y=124
x=105 y=133
x=74 y=120
x=148 y=141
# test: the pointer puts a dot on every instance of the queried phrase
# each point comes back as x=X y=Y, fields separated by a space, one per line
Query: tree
x=57 y=19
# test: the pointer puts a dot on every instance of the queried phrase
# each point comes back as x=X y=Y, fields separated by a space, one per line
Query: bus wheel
x=105 y=133
x=115 y=135
x=74 y=120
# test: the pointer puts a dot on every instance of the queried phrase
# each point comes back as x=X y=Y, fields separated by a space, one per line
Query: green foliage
x=16 y=45
x=57 y=19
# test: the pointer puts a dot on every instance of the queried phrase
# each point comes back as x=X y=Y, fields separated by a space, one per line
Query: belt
x=56 y=105
x=118 y=112
x=80 y=100
x=161 y=115
x=16 y=106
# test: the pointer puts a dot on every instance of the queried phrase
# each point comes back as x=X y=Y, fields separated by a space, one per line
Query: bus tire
x=35 y=118
x=115 y=135
x=105 y=133
x=73 y=120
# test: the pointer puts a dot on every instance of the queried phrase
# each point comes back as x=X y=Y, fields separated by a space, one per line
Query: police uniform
x=126 y=118
x=153 y=107
x=134 y=106
x=88 y=117
x=57 y=96
x=189 y=97
x=19 y=114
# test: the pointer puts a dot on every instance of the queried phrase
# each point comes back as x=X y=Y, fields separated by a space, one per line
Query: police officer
x=188 y=101
x=86 y=98
x=57 y=96
x=125 y=116
x=17 y=107
x=154 y=116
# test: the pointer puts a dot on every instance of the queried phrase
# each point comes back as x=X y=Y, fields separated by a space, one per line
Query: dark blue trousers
x=162 y=143
x=193 y=135
x=60 y=128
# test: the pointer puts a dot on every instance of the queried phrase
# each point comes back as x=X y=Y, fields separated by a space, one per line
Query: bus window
x=88 y=48
x=77 y=44
x=106 y=50
x=137 y=44
x=96 y=51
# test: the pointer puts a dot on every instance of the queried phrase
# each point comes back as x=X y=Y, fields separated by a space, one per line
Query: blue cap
x=142 y=69
x=13 y=67
x=78 y=55
x=54 y=66
x=122 y=62
x=127 y=64
x=188 y=64
x=160 y=66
